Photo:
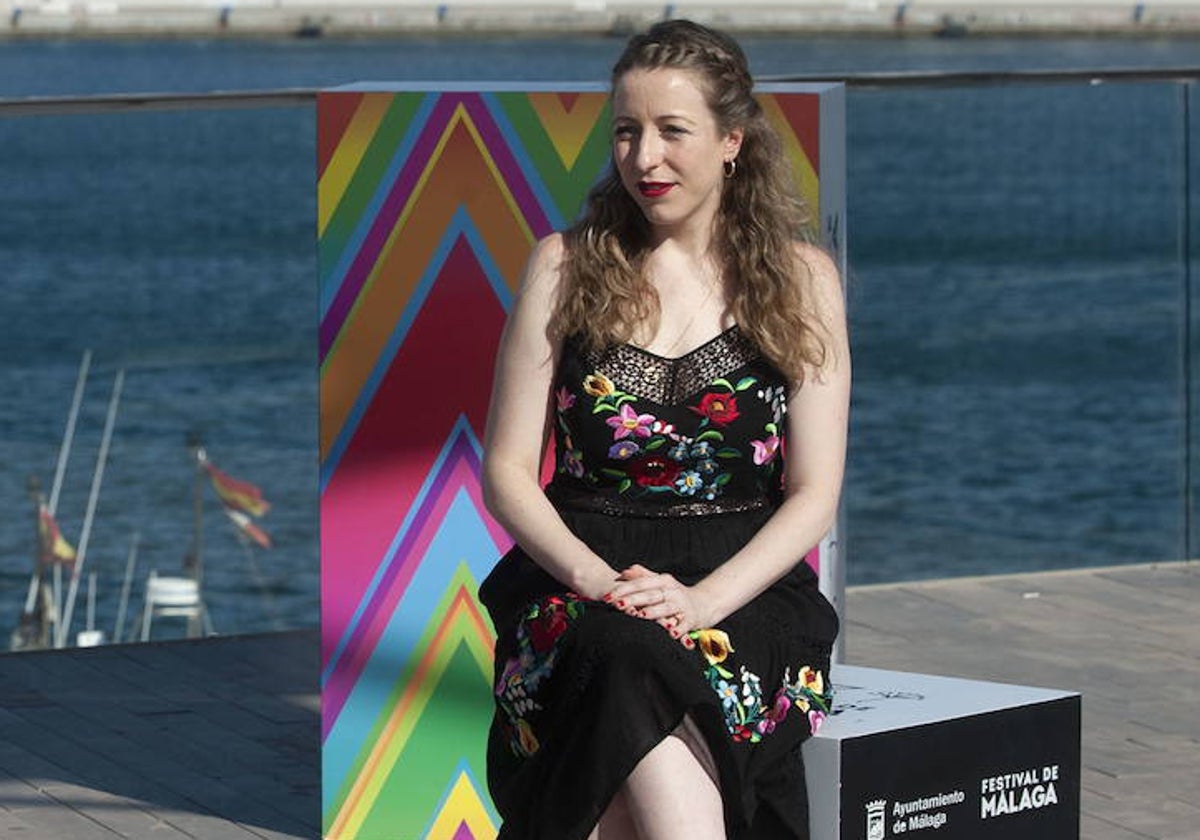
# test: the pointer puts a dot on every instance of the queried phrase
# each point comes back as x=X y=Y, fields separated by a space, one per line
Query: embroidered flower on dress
x=714 y=644
x=689 y=482
x=812 y=680
x=728 y=694
x=707 y=467
x=629 y=422
x=598 y=385
x=650 y=456
x=623 y=450
x=764 y=450
x=527 y=741
x=573 y=462
x=751 y=689
x=538 y=633
x=653 y=471
x=564 y=398
x=776 y=715
x=748 y=716
x=720 y=409
x=546 y=628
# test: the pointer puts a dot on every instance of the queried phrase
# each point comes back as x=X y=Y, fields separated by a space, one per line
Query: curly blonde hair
x=605 y=295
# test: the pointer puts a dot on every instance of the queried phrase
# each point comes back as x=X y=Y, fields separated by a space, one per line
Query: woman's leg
x=671 y=794
x=616 y=822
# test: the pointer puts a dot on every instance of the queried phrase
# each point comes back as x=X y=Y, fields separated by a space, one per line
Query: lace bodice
x=640 y=434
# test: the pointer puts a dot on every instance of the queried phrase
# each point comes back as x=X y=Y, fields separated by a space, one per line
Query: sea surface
x=1016 y=284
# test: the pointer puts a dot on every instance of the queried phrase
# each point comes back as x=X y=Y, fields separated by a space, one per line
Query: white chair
x=174 y=597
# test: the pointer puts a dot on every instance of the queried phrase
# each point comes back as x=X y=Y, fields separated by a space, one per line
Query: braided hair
x=605 y=294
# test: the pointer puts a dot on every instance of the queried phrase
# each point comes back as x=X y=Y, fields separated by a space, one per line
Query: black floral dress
x=674 y=464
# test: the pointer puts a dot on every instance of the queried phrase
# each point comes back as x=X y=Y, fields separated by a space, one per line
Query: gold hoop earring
x=730 y=167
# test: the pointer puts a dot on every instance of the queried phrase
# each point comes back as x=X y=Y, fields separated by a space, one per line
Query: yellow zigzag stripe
x=568 y=130
x=462 y=805
x=807 y=179
x=462 y=624
x=349 y=154
x=460 y=115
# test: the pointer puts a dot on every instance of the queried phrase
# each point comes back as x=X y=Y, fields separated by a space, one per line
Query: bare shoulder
x=822 y=287
x=549 y=248
x=528 y=329
x=823 y=277
x=544 y=269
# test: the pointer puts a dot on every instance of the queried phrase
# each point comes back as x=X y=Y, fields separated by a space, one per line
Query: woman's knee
x=616 y=823
x=689 y=733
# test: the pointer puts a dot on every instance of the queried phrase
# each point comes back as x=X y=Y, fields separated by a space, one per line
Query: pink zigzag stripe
x=496 y=144
x=460 y=469
x=373 y=492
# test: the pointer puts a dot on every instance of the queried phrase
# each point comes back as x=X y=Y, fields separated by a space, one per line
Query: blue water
x=1014 y=283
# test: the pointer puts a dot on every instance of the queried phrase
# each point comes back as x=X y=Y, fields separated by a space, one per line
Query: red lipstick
x=654 y=189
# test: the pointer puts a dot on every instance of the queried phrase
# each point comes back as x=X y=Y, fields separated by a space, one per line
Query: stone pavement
x=1127 y=638
x=217 y=739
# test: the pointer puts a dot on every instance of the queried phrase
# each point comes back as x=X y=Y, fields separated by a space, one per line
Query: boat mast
x=33 y=630
x=60 y=470
x=64 y=450
x=64 y=628
x=127 y=583
x=194 y=562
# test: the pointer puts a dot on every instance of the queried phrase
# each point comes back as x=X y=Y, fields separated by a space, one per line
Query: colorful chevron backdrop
x=429 y=202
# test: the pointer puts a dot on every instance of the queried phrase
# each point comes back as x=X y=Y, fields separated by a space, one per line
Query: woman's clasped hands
x=658 y=597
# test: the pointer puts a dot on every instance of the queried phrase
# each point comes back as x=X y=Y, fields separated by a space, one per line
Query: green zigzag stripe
x=566 y=189
x=453 y=728
x=482 y=685
x=366 y=178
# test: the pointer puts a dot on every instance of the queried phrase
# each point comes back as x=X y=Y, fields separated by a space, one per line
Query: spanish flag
x=236 y=494
x=247 y=529
x=54 y=548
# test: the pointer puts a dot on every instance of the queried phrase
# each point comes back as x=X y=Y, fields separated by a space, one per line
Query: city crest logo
x=876 y=819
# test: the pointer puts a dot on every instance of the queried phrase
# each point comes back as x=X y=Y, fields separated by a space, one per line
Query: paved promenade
x=1127 y=638
x=217 y=739
x=214 y=740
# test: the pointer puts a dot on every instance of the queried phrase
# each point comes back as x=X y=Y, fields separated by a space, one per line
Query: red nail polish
x=607 y=596
x=620 y=605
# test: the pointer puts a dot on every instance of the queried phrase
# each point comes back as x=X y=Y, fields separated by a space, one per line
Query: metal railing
x=295 y=97
x=1181 y=79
